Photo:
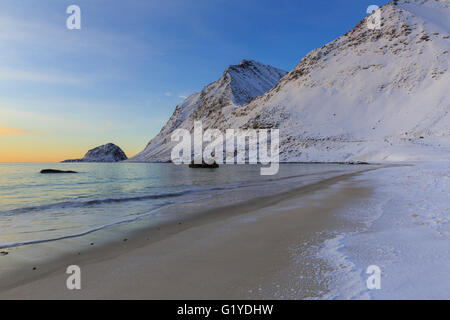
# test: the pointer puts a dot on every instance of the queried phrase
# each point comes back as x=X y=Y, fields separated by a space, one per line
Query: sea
x=36 y=208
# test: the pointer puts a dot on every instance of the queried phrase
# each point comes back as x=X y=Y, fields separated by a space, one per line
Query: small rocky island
x=105 y=153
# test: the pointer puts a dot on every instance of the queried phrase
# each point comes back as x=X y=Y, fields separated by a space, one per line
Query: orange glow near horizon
x=42 y=155
x=34 y=153
x=29 y=148
x=10 y=131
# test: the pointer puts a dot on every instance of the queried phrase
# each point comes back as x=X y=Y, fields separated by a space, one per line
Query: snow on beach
x=404 y=229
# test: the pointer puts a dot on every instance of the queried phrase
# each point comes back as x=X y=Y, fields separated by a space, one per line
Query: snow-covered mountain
x=105 y=153
x=370 y=95
x=215 y=105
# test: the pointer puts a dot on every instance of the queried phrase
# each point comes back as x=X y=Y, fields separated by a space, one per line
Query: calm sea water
x=35 y=207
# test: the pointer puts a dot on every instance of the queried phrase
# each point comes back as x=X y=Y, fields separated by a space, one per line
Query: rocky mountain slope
x=105 y=153
x=215 y=105
x=370 y=95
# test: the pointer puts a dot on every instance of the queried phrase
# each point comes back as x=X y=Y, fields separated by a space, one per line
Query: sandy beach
x=260 y=249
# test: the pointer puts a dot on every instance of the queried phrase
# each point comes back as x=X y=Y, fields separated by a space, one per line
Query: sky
x=119 y=78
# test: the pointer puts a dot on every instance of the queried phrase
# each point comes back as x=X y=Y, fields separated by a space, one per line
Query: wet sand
x=260 y=249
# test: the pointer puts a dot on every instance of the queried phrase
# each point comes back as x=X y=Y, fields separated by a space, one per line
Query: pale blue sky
x=119 y=78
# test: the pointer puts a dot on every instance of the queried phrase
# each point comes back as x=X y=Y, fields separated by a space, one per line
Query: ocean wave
x=80 y=234
x=98 y=202
x=173 y=194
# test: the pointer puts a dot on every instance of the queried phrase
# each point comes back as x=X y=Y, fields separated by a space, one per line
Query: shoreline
x=305 y=179
x=159 y=241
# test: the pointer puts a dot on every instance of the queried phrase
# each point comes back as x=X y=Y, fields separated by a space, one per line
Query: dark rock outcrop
x=204 y=165
x=51 y=171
